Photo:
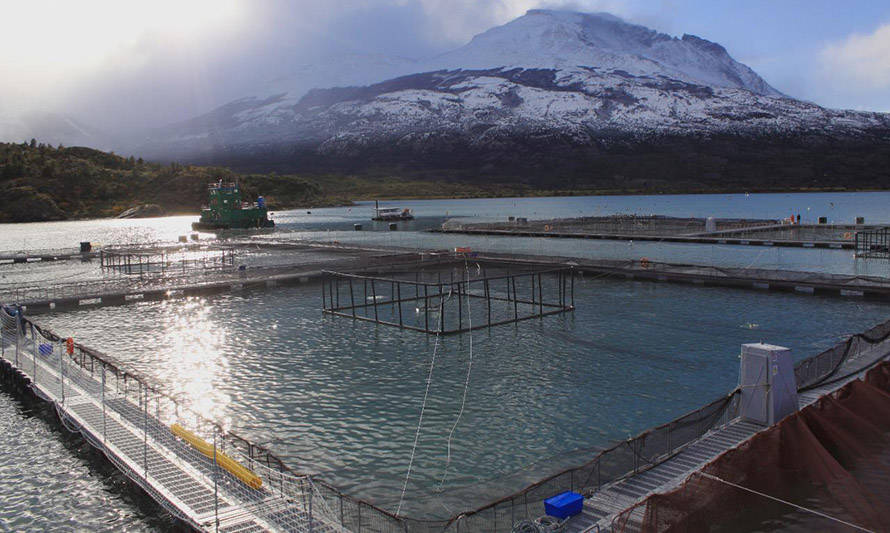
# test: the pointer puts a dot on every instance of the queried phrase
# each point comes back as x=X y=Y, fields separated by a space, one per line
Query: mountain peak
x=545 y=38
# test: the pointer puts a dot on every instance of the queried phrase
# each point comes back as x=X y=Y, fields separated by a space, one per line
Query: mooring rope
x=429 y=380
x=799 y=507
x=463 y=401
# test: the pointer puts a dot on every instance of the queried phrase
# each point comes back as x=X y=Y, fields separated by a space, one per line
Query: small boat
x=227 y=211
x=390 y=214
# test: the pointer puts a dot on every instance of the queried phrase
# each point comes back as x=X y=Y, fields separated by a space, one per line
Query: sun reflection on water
x=195 y=363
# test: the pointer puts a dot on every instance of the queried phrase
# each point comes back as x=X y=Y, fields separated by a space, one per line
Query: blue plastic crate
x=564 y=505
x=45 y=349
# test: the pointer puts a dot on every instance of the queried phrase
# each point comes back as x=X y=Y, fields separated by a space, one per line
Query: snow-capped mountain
x=547 y=79
x=565 y=40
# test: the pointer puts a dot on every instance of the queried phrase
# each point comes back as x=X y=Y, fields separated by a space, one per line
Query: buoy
x=69 y=345
x=232 y=466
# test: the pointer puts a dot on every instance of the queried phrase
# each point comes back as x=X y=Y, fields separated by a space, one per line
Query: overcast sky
x=113 y=62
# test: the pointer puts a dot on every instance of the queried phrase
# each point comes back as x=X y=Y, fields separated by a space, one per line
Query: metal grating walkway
x=601 y=508
x=187 y=483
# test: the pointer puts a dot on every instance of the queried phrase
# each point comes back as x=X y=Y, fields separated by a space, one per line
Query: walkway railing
x=130 y=419
x=190 y=465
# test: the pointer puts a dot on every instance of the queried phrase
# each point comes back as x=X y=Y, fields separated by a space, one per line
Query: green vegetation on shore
x=40 y=182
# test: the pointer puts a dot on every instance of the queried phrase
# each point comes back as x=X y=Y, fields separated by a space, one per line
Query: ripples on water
x=51 y=480
x=342 y=398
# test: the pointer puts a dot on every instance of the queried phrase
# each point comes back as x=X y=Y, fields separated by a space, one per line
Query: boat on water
x=227 y=211
x=391 y=214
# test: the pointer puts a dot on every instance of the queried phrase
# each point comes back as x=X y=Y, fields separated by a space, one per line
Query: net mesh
x=128 y=417
x=824 y=468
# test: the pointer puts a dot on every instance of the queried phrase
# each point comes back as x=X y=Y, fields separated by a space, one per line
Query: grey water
x=342 y=398
x=53 y=481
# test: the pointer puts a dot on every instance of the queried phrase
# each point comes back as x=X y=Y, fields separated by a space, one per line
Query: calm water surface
x=342 y=397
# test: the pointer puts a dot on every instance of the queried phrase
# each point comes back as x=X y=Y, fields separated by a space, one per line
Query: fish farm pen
x=214 y=479
x=659 y=228
x=873 y=243
x=161 y=260
x=433 y=300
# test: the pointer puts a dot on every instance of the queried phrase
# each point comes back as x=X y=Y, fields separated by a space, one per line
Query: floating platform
x=373 y=261
x=743 y=232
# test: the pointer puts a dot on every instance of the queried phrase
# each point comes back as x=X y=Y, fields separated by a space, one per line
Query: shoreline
x=512 y=193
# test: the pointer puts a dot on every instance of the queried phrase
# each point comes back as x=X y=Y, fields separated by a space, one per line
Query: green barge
x=227 y=211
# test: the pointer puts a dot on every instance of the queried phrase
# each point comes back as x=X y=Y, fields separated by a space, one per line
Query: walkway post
x=62 y=369
x=34 y=348
x=215 y=483
x=103 y=402
x=310 y=504
x=143 y=391
x=18 y=336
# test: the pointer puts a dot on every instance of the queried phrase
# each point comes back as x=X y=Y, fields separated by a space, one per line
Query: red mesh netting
x=832 y=457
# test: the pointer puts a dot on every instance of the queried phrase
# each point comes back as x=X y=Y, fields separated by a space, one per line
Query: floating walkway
x=603 y=508
x=740 y=236
x=376 y=260
x=128 y=419
x=129 y=422
x=819 y=283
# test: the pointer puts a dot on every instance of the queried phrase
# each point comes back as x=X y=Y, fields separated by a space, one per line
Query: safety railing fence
x=613 y=224
x=136 y=425
x=291 y=501
x=815 y=370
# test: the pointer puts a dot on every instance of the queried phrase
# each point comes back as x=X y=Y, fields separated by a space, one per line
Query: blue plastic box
x=564 y=505
x=45 y=349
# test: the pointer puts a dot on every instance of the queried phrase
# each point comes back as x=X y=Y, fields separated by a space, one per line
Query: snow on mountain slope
x=579 y=77
x=563 y=39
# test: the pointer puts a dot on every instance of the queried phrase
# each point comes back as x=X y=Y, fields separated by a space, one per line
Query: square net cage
x=873 y=243
x=450 y=298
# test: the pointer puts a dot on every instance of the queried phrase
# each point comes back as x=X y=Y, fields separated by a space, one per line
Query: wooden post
x=323 y=296
x=540 y=297
x=572 y=272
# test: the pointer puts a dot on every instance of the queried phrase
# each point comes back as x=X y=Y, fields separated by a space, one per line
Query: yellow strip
x=234 y=467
